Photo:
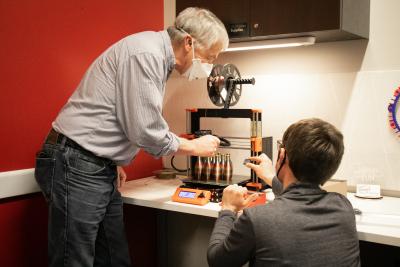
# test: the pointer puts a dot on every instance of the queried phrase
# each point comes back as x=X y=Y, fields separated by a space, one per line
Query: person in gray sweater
x=304 y=225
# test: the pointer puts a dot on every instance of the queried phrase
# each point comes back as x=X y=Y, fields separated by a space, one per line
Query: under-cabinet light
x=276 y=43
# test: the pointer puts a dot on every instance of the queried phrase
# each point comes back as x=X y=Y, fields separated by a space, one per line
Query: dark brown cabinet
x=327 y=20
x=272 y=17
x=231 y=12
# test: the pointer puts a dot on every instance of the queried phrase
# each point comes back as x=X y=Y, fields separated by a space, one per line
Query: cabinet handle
x=255 y=26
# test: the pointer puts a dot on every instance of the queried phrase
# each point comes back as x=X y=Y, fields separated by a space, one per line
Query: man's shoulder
x=143 y=36
x=266 y=210
x=277 y=207
x=339 y=200
x=148 y=42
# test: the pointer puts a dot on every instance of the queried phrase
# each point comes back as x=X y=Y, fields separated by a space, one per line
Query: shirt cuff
x=227 y=213
x=171 y=147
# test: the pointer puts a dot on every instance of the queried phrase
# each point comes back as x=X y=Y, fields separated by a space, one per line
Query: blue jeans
x=85 y=226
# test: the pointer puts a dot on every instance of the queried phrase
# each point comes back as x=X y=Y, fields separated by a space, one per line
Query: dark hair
x=314 y=149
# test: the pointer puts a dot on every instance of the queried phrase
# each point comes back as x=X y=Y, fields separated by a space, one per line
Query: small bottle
x=212 y=169
x=228 y=168
x=223 y=160
x=205 y=174
x=217 y=168
x=198 y=168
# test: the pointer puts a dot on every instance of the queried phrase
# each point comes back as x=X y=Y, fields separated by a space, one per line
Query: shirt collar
x=300 y=188
x=169 y=52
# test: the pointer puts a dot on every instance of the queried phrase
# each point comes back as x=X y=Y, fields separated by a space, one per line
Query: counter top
x=156 y=193
x=378 y=223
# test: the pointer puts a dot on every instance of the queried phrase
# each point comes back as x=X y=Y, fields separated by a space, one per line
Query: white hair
x=202 y=25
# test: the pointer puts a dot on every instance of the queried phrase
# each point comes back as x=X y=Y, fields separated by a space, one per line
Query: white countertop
x=379 y=221
x=156 y=193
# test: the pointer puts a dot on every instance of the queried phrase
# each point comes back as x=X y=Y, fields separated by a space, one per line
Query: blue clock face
x=393 y=110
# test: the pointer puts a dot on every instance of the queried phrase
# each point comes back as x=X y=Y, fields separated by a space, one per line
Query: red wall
x=45 y=48
x=23 y=231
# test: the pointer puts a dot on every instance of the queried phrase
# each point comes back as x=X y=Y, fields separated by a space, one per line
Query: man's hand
x=121 y=176
x=263 y=169
x=206 y=145
x=235 y=198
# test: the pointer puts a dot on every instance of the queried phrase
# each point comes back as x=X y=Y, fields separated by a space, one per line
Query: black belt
x=56 y=138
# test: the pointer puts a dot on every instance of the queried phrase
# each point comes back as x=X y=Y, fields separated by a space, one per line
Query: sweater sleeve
x=232 y=241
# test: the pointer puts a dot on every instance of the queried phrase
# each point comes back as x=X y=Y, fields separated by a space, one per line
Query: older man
x=304 y=225
x=115 y=111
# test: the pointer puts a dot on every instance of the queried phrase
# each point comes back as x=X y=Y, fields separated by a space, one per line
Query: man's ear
x=188 y=43
x=281 y=155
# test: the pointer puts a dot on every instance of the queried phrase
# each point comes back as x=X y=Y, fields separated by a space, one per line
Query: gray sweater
x=303 y=226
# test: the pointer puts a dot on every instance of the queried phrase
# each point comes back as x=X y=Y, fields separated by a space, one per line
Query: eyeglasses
x=200 y=54
x=279 y=145
x=203 y=57
x=208 y=57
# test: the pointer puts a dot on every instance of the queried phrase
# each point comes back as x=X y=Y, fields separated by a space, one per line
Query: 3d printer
x=208 y=176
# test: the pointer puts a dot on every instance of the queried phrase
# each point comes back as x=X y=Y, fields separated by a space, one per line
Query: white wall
x=346 y=83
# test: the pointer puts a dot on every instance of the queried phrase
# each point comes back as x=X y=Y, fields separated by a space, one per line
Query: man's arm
x=139 y=97
x=263 y=169
x=266 y=171
x=232 y=241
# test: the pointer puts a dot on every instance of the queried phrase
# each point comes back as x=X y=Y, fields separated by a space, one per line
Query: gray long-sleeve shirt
x=117 y=107
x=303 y=226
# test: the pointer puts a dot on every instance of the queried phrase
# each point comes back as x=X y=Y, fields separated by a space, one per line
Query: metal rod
x=242 y=148
x=236 y=137
x=188 y=130
x=253 y=134
x=240 y=141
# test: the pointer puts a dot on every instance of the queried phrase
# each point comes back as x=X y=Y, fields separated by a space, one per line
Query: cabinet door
x=271 y=17
x=235 y=14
